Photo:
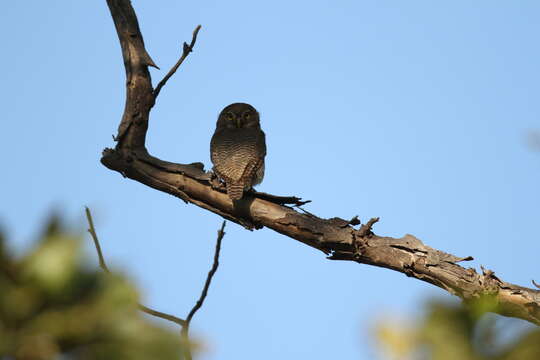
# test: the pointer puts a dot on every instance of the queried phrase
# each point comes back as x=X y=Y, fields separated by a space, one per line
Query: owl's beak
x=238 y=122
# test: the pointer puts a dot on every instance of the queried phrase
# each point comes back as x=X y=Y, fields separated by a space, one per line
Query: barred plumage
x=238 y=148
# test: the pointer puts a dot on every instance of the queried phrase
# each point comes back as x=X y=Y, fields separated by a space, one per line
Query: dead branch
x=185 y=52
x=204 y=292
x=335 y=237
x=211 y=273
x=104 y=267
x=183 y=323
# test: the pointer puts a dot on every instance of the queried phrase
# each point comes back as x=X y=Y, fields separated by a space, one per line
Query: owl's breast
x=232 y=150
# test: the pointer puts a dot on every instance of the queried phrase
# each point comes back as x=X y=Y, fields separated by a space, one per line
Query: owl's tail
x=235 y=191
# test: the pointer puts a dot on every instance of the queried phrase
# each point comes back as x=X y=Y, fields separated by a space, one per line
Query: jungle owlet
x=238 y=148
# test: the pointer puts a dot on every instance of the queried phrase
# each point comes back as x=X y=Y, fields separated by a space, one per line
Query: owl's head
x=238 y=116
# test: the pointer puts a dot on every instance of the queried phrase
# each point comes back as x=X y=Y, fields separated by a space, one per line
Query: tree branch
x=92 y=231
x=139 y=96
x=185 y=324
x=211 y=273
x=204 y=292
x=335 y=237
x=185 y=52
x=104 y=267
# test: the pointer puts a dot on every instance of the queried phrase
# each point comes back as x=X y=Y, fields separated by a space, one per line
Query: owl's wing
x=236 y=154
x=261 y=142
x=253 y=167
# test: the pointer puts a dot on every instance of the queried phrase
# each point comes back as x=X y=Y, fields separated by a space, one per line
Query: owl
x=238 y=148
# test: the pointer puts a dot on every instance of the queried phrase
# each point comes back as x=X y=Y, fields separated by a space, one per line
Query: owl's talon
x=216 y=184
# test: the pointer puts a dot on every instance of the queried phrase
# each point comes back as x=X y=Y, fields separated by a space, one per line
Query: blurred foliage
x=52 y=307
x=455 y=331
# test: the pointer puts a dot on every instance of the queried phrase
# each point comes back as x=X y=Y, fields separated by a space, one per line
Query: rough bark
x=337 y=238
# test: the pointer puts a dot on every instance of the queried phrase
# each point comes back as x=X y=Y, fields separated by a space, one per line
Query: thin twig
x=305 y=211
x=185 y=52
x=204 y=293
x=92 y=231
x=161 y=315
x=281 y=200
x=103 y=265
x=211 y=273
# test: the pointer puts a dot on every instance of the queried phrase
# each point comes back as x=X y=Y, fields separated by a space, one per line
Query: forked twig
x=104 y=267
x=161 y=315
x=183 y=323
x=211 y=273
x=185 y=52
x=204 y=293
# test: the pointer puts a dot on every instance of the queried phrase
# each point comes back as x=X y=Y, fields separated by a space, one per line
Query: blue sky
x=413 y=111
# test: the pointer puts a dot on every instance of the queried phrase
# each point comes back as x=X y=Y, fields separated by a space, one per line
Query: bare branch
x=183 y=323
x=139 y=97
x=103 y=265
x=92 y=232
x=161 y=315
x=281 y=200
x=335 y=237
x=186 y=49
x=211 y=273
x=204 y=293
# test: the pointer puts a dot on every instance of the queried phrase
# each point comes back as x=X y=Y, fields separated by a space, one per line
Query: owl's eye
x=247 y=115
x=230 y=116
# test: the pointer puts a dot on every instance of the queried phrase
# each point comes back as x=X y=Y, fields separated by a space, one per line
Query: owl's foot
x=216 y=184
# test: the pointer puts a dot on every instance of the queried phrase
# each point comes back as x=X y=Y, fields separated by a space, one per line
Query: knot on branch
x=491 y=283
x=365 y=230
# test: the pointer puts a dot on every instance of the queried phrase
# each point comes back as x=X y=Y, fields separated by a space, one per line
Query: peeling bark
x=338 y=238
